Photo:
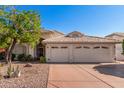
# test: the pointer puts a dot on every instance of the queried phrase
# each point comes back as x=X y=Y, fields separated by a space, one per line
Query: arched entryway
x=40 y=50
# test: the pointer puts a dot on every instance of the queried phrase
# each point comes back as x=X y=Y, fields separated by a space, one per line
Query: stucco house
x=77 y=47
x=118 y=36
x=73 y=47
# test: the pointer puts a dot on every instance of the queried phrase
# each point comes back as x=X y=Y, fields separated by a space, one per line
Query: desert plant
x=10 y=71
x=17 y=72
x=42 y=59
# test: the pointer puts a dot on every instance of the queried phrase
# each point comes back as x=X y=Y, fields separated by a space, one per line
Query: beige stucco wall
x=119 y=56
x=20 y=49
x=70 y=53
x=118 y=49
x=24 y=49
x=31 y=51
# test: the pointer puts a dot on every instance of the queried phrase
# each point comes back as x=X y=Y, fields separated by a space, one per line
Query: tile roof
x=83 y=39
x=2 y=50
x=116 y=33
x=45 y=34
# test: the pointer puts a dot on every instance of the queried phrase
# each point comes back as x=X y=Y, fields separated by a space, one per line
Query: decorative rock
x=28 y=65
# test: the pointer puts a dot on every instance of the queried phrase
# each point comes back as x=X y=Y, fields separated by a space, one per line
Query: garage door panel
x=91 y=55
x=59 y=55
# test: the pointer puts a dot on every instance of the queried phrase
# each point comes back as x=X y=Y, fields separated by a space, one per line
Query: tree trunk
x=9 y=51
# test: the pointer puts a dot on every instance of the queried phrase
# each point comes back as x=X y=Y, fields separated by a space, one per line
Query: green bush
x=122 y=47
x=29 y=58
x=2 y=56
x=13 y=56
x=21 y=57
x=24 y=57
x=42 y=59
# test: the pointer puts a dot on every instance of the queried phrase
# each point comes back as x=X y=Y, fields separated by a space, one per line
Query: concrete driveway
x=86 y=75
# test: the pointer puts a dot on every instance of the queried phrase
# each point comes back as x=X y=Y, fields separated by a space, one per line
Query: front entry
x=40 y=51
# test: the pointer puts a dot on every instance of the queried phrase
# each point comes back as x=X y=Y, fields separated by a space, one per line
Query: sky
x=90 y=20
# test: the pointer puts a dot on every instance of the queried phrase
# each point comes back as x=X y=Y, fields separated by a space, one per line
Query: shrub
x=13 y=56
x=122 y=47
x=2 y=56
x=21 y=57
x=29 y=58
x=42 y=59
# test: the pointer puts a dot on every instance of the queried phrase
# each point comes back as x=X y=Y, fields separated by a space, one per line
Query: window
x=54 y=47
x=104 y=47
x=78 y=47
x=86 y=47
x=64 y=47
x=96 y=47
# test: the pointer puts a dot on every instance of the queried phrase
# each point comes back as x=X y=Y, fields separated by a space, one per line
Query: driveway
x=86 y=75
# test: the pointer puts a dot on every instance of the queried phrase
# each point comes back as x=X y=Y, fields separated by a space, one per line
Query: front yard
x=110 y=75
x=31 y=77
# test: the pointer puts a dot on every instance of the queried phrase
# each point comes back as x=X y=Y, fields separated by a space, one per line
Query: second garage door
x=91 y=54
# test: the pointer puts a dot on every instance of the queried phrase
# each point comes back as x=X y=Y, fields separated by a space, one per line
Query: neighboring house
x=2 y=50
x=39 y=50
x=119 y=37
x=77 y=47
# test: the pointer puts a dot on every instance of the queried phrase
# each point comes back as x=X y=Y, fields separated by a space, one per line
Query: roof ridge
x=116 y=33
x=100 y=37
x=58 y=32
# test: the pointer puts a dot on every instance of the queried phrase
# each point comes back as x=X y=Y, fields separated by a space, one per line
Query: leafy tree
x=18 y=27
x=123 y=47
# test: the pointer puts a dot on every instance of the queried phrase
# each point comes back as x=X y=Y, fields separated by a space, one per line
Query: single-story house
x=73 y=47
x=78 y=47
x=118 y=36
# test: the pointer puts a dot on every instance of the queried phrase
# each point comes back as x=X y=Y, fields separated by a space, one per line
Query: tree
x=123 y=47
x=18 y=27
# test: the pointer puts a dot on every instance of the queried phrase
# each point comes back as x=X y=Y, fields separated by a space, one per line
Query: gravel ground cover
x=31 y=77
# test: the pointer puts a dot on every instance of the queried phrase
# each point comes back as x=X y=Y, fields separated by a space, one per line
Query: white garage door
x=91 y=54
x=59 y=54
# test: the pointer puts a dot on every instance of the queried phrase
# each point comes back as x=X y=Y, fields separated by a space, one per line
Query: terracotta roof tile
x=45 y=34
x=83 y=39
x=116 y=33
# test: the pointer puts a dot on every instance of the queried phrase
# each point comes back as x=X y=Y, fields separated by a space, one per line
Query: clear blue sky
x=91 y=20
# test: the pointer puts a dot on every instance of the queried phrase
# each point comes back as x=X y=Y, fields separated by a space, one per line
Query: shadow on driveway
x=111 y=69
